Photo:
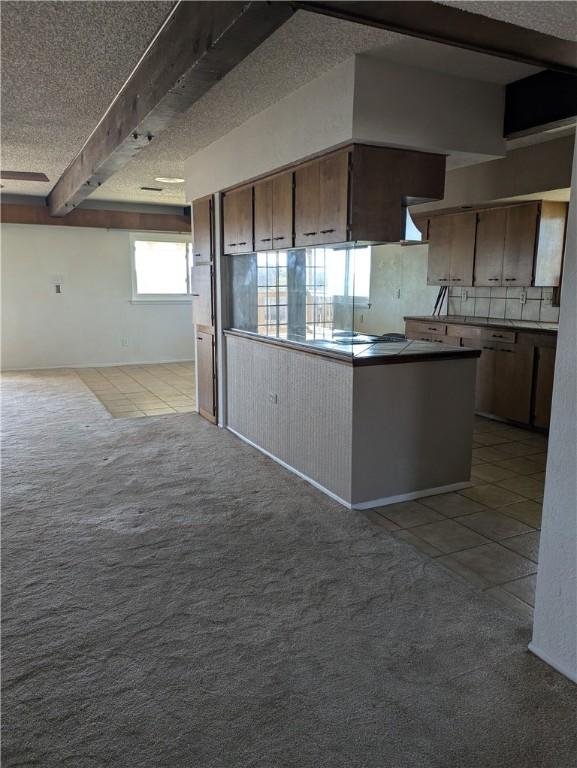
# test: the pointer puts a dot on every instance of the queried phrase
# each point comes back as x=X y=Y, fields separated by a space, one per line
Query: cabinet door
x=263 y=202
x=462 y=248
x=514 y=383
x=549 y=256
x=439 y=259
x=307 y=201
x=244 y=220
x=333 y=198
x=520 y=238
x=282 y=211
x=544 y=386
x=485 y=388
x=230 y=223
x=202 y=295
x=205 y=361
x=490 y=247
x=202 y=230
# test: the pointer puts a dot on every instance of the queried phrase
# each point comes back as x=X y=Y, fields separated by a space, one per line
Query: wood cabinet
x=519 y=251
x=490 y=247
x=202 y=289
x=543 y=395
x=206 y=375
x=452 y=249
x=321 y=201
x=202 y=229
x=513 y=246
x=237 y=213
x=513 y=382
x=273 y=213
x=514 y=372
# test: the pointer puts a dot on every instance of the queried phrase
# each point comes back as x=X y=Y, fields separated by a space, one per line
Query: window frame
x=160 y=298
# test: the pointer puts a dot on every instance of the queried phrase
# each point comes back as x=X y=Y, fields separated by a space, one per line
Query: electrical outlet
x=273 y=398
x=523 y=297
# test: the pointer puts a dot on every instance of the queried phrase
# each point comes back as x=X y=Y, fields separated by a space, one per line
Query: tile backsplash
x=504 y=303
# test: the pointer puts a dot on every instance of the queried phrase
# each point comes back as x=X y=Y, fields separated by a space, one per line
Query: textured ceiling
x=553 y=17
x=63 y=62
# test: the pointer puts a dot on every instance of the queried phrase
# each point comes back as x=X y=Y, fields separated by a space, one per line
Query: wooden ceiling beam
x=452 y=26
x=199 y=43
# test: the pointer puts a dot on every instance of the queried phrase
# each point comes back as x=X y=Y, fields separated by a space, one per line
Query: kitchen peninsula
x=370 y=426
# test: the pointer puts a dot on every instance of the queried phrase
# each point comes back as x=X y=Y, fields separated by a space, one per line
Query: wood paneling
x=439 y=260
x=333 y=198
x=543 y=394
x=307 y=204
x=263 y=207
x=282 y=210
x=205 y=362
x=491 y=228
x=202 y=228
x=96 y=217
x=520 y=240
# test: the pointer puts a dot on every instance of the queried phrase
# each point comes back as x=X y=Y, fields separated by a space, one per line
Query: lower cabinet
x=513 y=383
x=206 y=374
x=545 y=370
x=514 y=373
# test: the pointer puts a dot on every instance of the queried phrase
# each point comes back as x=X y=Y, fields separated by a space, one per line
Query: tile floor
x=133 y=391
x=487 y=534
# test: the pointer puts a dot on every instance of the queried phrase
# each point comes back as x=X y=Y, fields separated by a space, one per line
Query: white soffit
x=365 y=100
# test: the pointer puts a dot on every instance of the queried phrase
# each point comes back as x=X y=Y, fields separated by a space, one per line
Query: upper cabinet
x=273 y=213
x=518 y=245
x=352 y=194
x=452 y=249
x=237 y=214
x=202 y=248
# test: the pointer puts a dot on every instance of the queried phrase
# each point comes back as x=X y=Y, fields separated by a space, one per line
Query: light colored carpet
x=174 y=599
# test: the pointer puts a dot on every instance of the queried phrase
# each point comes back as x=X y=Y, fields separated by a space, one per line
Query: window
x=161 y=267
x=272 y=294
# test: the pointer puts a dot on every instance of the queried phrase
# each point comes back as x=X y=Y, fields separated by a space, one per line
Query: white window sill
x=187 y=301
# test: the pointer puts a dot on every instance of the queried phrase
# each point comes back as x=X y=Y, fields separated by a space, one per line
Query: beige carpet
x=174 y=599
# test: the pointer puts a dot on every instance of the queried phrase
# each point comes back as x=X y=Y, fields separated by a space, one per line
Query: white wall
x=85 y=325
x=362 y=100
x=555 y=623
x=398 y=288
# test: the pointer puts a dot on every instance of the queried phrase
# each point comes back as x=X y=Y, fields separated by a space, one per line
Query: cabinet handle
x=492 y=279
x=326 y=231
x=497 y=336
x=265 y=239
x=199 y=338
x=197 y=255
x=195 y=294
x=241 y=243
x=279 y=238
x=231 y=244
x=510 y=279
x=307 y=234
x=457 y=279
x=443 y=279
x=432 y=329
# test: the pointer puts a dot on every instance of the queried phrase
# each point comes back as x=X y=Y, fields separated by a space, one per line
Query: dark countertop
x=377 y=353
x=493 y=322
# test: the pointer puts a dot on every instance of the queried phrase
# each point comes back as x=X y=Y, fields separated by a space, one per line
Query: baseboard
x=568 y=673
x=97 y=365
x=386 y=500
x=383 y=502
x=314 y=483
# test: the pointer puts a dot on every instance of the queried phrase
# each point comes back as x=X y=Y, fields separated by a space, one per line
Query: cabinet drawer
x=463 y=331
x=506 y=337
x=440 y=329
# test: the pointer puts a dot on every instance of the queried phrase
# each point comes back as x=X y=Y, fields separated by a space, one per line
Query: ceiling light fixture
x=169 y=180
